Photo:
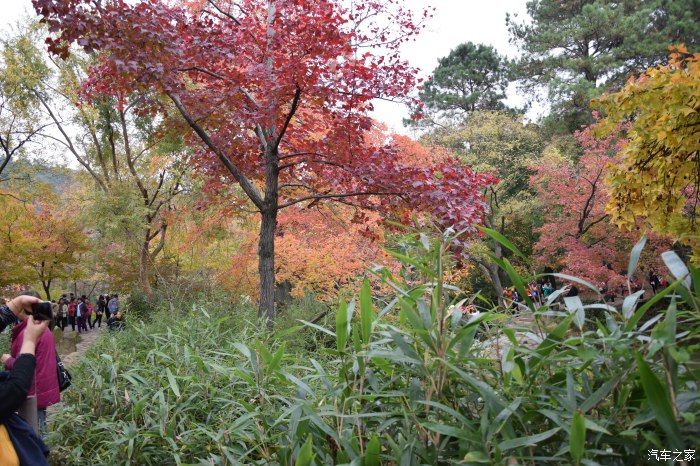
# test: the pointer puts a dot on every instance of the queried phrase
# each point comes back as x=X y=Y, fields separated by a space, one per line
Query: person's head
x=29 y=293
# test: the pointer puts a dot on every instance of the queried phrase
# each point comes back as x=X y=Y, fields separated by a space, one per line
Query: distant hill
x=23 y=171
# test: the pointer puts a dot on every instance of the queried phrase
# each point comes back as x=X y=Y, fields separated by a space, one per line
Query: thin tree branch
x=247 y=186
x=288 y=120
x=318 y=197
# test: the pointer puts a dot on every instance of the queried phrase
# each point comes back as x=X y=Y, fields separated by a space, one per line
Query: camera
x=41 y=311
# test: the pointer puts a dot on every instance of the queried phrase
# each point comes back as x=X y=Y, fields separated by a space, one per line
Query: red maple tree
x=577 y=236
x=278 y=94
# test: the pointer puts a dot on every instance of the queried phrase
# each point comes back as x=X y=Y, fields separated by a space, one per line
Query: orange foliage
x=317 y=250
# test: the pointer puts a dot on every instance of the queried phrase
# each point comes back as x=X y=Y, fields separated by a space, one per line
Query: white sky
x=455 y=22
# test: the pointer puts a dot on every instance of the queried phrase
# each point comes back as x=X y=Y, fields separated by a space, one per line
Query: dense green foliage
x=503 y=144
x=472 y=77
x=406 y=379
x=578 y=49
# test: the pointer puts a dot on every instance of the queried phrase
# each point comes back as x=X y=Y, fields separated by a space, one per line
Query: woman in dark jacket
x=14 y=385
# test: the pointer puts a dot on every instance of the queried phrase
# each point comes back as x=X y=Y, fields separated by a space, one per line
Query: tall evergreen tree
x=576 y=49
x=472 y=77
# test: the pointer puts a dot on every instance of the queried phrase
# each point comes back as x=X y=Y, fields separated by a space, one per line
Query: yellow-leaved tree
x=658 y=178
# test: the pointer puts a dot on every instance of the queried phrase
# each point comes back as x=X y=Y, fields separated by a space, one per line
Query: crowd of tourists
x=81 y=313
x=539 y=291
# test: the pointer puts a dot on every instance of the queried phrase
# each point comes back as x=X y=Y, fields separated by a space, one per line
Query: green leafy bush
x=412 y=381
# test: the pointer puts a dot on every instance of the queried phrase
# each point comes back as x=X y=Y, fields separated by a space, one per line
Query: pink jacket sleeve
x=10 y=363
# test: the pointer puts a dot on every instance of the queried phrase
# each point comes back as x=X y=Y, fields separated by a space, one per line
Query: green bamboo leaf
x=654 y=299
x=366 y=314
x=341 y=326
x=504 y=241
x=659 y=403
x=515 y=278
x=306 y=454
x=277 y=358
x=634 y=256
x=677 y=267
x=173 y=382
x=554 y=337
x=577 y=437
x=299 y=383
x=530 y=440
x=317 y=327
x=450 y=431
x=242 y=421
x=476 y=457
x=590 y=425
x=485 y=390
x=630 y=302
x=600 y=393
x=456 y=414
x=408 y=260
x=571 y=278
x=575 y=307
x=502 y=418
x=695 y=277
x=372 y=452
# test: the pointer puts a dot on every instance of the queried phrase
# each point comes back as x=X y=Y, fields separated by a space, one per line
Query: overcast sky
x=455 y=22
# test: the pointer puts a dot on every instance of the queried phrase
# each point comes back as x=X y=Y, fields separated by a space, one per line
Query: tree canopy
x=472 y=77
x=657 y=178
x=576 y=49
x=277 y=95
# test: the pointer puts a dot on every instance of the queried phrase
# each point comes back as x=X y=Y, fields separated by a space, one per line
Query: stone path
x=84 y=341
x=523 y=324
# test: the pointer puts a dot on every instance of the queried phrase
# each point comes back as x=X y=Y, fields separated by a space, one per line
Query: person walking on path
x=81 y=314
x=88 y=312
x=101 y=308
x=63 y=313
x=113 y=305
x=71 y=312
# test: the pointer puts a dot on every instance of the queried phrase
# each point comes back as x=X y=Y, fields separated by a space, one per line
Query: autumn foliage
x=657 y=178
x=319 y=251
x=577 y=236
x=40 y=243
x=277 y=94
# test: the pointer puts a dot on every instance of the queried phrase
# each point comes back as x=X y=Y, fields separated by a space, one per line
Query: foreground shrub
x=431 y=386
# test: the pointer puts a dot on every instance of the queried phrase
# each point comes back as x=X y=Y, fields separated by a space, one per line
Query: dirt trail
x=84 y=341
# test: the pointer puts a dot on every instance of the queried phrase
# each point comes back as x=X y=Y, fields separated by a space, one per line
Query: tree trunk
x=490 y=269
x=266 y=265
x=144 y=267
x=47 y=289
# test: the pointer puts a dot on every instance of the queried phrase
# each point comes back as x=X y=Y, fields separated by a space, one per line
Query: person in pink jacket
x=45 y=384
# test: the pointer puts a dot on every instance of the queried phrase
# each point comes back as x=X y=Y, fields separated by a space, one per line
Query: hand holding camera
x=41 y=311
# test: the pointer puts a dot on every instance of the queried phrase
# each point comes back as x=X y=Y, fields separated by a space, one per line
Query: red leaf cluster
x=297 y=76
x=577 y=236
